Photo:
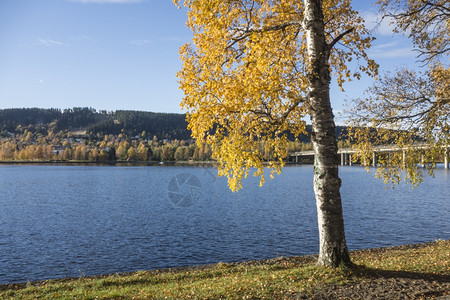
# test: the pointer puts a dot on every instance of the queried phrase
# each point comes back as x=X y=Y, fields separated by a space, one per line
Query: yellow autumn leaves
x=244 y=76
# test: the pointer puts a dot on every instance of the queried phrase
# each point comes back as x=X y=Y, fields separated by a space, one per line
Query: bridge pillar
x=296 y=158
x=374 y=159
x=446 y=159
x=349 y=159
x=404 y=158
x=342 y=159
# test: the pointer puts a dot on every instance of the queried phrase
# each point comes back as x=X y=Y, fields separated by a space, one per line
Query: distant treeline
x=65 y=146
x=44 y=119
x=85 y=134
x=133 y=123
x=163 y=126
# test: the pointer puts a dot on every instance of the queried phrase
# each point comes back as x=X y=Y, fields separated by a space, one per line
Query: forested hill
x=89 y=120
x=42 y=119
x=162 y=125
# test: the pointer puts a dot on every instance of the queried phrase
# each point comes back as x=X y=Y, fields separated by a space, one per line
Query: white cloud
x=376 y=23
x=173 y=39
x=400 y=52
x=139 y=42
x=107 y=1
x=42 y=81
x=49 y=43
x=391 y=49
x=81 y=38
x=386 y=45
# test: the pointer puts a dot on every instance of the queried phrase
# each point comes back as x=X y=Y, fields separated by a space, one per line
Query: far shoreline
x=117 y=162
x=127 y=163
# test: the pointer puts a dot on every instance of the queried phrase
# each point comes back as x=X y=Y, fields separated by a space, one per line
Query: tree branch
x=248 y=32
x=338 y=38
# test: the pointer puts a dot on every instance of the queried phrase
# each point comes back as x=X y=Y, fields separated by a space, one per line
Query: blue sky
x=119 y=54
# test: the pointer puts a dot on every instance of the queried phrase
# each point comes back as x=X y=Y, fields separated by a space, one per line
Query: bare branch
x=339 y=37
x=249 y=32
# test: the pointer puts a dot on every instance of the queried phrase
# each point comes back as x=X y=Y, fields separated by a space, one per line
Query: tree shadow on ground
x=372 y=283
x=374 y=273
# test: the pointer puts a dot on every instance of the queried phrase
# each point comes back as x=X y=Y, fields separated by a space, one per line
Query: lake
x=63 y=221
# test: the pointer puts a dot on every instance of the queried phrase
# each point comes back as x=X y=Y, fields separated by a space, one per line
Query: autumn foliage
x=244 y=75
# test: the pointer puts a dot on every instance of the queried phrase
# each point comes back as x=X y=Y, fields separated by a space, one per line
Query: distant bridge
x=346 y=154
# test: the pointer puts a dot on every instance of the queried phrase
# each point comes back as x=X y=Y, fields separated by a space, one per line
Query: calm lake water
x=62 y=221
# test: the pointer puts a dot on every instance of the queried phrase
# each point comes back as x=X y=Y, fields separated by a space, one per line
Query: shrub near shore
x=416 y=271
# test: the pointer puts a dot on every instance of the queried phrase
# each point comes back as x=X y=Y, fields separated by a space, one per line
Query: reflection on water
x=59 y=221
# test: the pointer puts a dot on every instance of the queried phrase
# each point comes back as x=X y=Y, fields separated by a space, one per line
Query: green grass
x=279 y=278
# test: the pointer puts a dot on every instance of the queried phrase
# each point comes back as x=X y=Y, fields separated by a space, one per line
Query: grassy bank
x=276 y=278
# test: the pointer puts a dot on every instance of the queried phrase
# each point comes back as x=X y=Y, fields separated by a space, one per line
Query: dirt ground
x=383 y=284
x=388 y=286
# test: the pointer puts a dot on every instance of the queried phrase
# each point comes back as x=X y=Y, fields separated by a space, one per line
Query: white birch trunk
x=333 y=248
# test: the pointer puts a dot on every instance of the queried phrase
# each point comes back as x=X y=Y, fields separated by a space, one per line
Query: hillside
x=86 y=120
x=91 y=121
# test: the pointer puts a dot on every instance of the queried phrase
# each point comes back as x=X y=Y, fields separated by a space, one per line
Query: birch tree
x=254 y=70
x=426 y=22
x=408 y=107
